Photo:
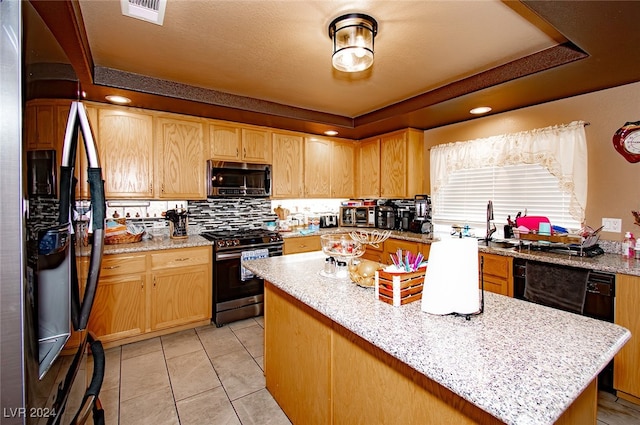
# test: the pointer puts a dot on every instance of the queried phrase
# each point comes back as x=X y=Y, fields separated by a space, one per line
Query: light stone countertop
x=612 y=263
x=521 y=362
x=155 y=244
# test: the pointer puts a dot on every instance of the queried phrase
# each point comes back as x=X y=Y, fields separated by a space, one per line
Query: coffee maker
x=422 y=220
x=385 y=217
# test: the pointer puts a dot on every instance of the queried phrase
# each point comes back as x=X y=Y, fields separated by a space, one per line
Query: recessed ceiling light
x=331 y=133
x=480 y=110
x=120 y=100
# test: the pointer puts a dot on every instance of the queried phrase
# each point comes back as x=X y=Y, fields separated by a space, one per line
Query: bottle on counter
x=637 y=249
x=628 y=245
x=341 y=269
x=330 y=265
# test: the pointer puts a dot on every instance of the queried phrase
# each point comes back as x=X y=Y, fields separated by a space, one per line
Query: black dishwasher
x=598 y=304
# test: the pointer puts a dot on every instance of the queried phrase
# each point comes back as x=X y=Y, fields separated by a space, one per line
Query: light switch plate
x=612 y=225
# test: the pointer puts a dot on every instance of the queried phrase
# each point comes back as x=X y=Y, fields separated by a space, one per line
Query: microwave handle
x=267 y=181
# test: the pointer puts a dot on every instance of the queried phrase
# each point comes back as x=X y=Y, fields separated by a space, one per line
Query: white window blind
x=540 y=172
x=511 y=188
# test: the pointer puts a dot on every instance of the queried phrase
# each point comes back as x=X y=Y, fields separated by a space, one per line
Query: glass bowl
x=341 y=246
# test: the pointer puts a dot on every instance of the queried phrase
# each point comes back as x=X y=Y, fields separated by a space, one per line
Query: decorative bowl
x=341 y=246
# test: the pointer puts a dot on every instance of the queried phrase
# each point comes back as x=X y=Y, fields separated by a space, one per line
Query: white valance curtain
x=561 y=149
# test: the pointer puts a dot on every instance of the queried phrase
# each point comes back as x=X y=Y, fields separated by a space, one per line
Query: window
x=542 y=172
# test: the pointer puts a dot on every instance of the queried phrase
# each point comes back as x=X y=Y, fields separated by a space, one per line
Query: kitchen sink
x=499 y=243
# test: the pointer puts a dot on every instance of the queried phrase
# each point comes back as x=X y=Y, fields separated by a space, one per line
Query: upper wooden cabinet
x=125 y=138
x=401 y=164
x=368 y=168
x=180 y=158
x=343 y=169
x=329 y=167
x=256 y=146
x=317 y=168
x=40 y=125
x=239 y=144
x=45 y=127
x=287 y=166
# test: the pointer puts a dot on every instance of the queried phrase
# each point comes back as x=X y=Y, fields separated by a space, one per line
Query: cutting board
x=531 y=222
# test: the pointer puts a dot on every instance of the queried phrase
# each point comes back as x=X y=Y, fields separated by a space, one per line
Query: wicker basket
x=124 y=238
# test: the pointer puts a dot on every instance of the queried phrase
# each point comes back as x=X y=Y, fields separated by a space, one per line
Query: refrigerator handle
x=98 y=206
x=90 y=401
x=98 y=216
x=78 y=121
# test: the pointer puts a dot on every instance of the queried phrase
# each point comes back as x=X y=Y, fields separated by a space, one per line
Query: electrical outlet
x=612 y=225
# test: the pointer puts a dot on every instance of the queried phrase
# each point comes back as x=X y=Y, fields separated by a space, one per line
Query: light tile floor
x=201 y=376
x=215 y=376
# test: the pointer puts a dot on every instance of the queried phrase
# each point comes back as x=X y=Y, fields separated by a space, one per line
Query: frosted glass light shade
x=451 y=280
x=353 y=36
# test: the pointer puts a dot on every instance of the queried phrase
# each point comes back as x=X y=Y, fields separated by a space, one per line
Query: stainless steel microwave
x=238 y=179
x=364 y=216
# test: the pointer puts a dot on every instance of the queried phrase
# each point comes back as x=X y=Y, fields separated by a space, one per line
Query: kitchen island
x=335 y=354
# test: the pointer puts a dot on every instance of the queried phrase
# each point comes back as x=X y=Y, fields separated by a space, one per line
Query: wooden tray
x=553 y=238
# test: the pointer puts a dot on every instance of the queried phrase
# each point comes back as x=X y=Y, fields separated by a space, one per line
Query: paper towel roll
x=451 y=281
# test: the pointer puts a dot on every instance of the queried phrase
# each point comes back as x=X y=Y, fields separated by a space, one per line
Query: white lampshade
x=352 y=37
x=451 y=280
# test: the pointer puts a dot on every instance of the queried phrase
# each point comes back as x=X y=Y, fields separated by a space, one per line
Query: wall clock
x=627 y=141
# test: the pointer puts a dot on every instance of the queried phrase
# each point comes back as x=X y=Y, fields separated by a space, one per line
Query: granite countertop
x=612 y=263
x=155 y=244
x=521 y=362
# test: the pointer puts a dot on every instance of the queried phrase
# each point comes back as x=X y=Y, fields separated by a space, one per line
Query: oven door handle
x=228 y=255
x=238 y=254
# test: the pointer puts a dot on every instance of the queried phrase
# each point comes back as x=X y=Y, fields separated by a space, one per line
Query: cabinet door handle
x=244 y=152
x=182 y=259
x=111 y=267
x=154 y=281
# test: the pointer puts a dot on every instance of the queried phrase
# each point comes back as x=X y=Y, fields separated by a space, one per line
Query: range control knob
x=235 y=242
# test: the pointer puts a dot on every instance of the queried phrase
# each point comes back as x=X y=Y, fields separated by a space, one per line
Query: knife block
x=177 y=231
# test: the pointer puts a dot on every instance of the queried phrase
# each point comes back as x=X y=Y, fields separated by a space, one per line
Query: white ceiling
x=280 y=51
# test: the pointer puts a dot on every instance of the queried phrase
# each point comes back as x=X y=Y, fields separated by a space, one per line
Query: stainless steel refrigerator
x=41 y=298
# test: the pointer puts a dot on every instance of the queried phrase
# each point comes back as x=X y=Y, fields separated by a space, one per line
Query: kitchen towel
x=251 y=255
x=556 y=286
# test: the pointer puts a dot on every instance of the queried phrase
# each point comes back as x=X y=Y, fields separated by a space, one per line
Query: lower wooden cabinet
x=300 y=244
x=181 y=287
x=626 y=370
x=497 y=272
x=140 y=294
x=321 y=373
x=382 y=253
x=119 y=307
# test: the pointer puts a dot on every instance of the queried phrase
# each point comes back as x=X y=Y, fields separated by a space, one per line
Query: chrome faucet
x=491 y=227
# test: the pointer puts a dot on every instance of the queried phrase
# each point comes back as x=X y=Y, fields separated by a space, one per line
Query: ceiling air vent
x=145 y=10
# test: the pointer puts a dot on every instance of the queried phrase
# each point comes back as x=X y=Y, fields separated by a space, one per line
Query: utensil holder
x=399 y=288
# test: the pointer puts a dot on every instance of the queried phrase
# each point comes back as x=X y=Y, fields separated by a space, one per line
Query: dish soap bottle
x=628 y=245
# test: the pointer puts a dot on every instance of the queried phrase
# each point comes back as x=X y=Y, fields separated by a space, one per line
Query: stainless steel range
x=237 y=293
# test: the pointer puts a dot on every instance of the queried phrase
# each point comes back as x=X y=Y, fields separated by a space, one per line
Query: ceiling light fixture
x=480 y=110
x=352 y=36
x=120 y=100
